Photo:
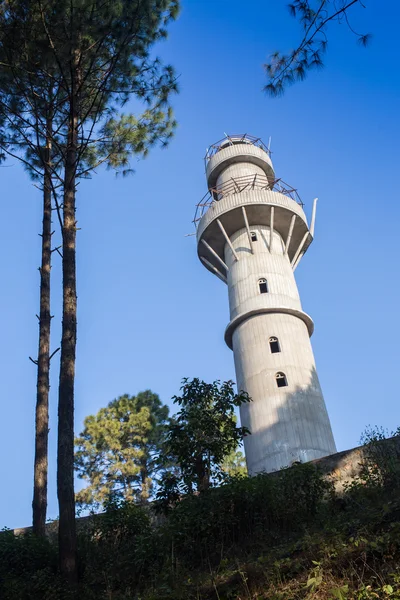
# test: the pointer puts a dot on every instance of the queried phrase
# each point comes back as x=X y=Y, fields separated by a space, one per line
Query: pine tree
x=95 y=55
x=314 y=18
x=27 y=105
x=119 y=451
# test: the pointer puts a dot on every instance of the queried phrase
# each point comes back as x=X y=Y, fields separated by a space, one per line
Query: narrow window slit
x=253 y=236
x=274 y=345
x=262 y=284
x=281 y=380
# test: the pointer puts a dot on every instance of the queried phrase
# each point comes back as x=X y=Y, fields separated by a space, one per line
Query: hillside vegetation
x=273 y=537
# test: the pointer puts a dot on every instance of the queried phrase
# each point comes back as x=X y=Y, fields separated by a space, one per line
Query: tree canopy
x=201 y=436
x=68 y=69
x=118 y=452
x=234 y=465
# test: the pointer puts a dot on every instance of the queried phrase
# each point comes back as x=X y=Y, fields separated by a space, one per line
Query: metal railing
x=231 y=140
x=236 y=185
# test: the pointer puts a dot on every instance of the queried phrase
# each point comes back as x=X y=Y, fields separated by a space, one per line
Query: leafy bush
x=201 y=436
x=281 y=536
x=247 y=512
x=379 y=469
x=28 y=568
x=381 y=466
x=117 y=550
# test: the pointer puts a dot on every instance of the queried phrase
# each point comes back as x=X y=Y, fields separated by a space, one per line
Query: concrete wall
x=243 y=169
x=290 y=423
x=244 y=274
x=343 y=467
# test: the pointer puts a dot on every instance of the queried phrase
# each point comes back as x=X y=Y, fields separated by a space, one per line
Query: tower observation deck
x=252 y=233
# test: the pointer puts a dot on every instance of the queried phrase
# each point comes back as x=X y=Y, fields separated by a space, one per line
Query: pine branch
x=283 y=70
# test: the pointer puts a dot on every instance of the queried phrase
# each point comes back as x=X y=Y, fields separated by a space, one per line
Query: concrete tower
x=252 y=232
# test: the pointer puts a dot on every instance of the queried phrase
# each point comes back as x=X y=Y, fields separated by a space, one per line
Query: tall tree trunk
x=145 y=482
x=202 y=473
x=65 y=456
x=39 y=503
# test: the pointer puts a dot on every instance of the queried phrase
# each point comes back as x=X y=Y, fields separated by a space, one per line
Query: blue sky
x=149 y=313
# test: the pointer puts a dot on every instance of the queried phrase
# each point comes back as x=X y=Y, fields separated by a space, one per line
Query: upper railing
x=236 y=185
x=232 y=140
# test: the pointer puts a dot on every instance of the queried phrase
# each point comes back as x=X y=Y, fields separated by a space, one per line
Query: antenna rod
x=314 y=212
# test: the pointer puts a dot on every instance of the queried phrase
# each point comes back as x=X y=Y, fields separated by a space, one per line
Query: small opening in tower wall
x=281 y=380
x=262 y=284
x=274 y=345
x=253 y=236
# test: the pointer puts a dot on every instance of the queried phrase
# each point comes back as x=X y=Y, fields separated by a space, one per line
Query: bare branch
x=55 y=352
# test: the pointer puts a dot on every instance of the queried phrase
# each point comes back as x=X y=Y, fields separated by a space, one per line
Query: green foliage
x=315 y=578
x=314 y=17
x=113 y=42
x=258 y=511
x=340 y=593
x=28 y=568
x=118 y=452
x=379 y=468
x=117 y=551
x=234 y=465
x=282 y=536
x=382 y=460
x=67 y=69
x=202 y=434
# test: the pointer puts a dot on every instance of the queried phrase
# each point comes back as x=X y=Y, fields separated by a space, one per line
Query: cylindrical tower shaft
x=252 y=237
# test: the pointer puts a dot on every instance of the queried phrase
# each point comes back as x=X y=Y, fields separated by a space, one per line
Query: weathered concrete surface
x=343 y=467
x=289 y=423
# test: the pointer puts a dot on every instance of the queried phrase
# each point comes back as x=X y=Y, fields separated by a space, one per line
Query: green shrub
x=381 y=465
x=379 y=470
x=279 y=523
x=117 y=550
x=247 y=512
x=28 y=568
